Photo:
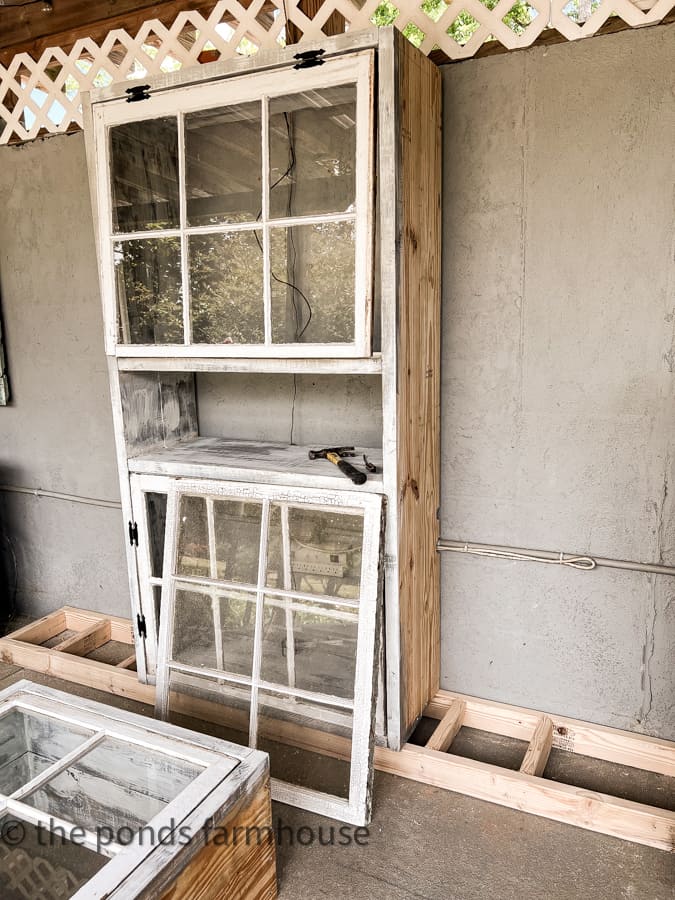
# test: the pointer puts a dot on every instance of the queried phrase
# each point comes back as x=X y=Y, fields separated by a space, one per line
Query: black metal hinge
x=133 y=534
x=309 y=59
x=142 y=630
x=138 y=92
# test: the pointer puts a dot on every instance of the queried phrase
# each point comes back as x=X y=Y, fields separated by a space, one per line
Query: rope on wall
x=573 y=561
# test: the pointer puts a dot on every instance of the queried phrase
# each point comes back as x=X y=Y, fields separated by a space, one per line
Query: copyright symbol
x=12 y=832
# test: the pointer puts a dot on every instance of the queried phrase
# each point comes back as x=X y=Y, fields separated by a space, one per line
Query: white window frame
x=259 y=86
x=356 y=809
x=222 y=761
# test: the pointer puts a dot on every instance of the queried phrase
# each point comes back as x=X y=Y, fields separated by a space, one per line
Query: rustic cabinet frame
x=404 y=354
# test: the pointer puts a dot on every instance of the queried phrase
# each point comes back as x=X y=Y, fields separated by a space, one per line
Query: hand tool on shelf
x=336 y=456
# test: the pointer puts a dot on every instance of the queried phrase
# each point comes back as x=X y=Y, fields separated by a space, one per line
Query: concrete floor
x=433 y=844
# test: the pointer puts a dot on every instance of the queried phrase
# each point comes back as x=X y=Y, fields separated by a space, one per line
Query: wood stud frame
x=523 y=790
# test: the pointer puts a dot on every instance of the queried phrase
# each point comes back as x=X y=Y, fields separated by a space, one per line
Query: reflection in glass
x=237 y=539
x=226 y=288
x=116 y=784
x=30 y=743
x=325 y=551
x=193 y=538
x=156 y=512
x=312 y=284
x=313 y=152
x=214 y=629
x=144 y=175
x=223 y=164
x=310 y=647
x=50 y=865
x=149 y=293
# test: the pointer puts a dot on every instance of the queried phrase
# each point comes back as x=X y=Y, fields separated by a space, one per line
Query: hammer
x=334 y=455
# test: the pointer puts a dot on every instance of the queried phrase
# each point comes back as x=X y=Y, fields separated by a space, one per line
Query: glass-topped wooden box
x=97 y=802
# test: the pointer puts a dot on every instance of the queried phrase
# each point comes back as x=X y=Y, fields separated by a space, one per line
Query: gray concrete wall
x=57 y=433
x=558 y=375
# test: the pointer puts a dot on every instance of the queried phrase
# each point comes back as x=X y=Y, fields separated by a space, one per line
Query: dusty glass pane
x=312 y=283
x=155 y=505
x=280 y=717
x=157 y=602
x=237 y=532
x=310 y=647
x=193 y=538
x=223 y=160
x=226 y=288
x=313 y=152
x=149 y=293
x=43 y=864
x=30 y=743
x=213 y=629
x=229 y=705
x=325 y=551
x=144 y=175
x=117 y=784
x=194 y=629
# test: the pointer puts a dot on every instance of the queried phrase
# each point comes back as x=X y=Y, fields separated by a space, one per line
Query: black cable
x=294 y=288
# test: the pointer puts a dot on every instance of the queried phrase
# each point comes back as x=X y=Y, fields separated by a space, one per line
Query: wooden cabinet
x=269 y=249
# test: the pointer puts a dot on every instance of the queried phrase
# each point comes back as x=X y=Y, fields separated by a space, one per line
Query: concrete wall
x=558 y=375
x=558 y=424
x=57 y=433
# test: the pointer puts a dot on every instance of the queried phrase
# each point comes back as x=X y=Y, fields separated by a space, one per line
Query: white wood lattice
x=42 y=96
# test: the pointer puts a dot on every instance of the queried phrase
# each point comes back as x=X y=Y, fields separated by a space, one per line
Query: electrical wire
x=574 y=562
x=57 y=495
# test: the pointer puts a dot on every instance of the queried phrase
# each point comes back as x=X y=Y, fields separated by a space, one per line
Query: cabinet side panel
x=239 y=862
x=418 y=403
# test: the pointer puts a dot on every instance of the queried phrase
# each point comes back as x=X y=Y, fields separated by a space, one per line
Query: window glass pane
x=226 y=288
x=149 y=293
x=325 y=551
x=224 y=707
x=30 y=743
x=43 y=865
x=116 y=784
x=312 y=283
x=144 y=175
x=310 y=647
x=313 y=152
x=193 y=538
x=156 y=512
x=214 y=630
x=282 y=720
x=223 y=164
x=237 y=532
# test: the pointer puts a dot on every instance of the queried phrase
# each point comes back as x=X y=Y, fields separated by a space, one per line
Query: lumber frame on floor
x=525 y=790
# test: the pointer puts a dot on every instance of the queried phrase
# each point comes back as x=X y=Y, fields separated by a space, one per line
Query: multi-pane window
x=271 y=607
x=239 y=216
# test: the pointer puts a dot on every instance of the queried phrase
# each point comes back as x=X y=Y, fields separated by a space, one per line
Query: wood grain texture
x=446 y=730
x=539 y=749
x=86 y=641
x=241 y=869
x=418 y=414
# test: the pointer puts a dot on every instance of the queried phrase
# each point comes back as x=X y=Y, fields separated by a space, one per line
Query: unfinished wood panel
x=80 y=619
x=446 y=730
x=42 y=629
x=539 y=749
x=418 y=405
x=239 y=870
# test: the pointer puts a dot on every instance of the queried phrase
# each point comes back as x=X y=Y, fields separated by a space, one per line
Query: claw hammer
x=335 y=455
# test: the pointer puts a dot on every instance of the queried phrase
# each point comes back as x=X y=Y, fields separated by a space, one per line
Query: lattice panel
x=42 y=96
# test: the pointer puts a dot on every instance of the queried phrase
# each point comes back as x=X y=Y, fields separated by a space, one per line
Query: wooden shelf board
x=257 y=461
x=371 y=365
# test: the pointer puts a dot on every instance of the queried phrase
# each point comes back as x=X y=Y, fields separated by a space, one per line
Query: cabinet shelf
x=258 y=461
x=371 y=365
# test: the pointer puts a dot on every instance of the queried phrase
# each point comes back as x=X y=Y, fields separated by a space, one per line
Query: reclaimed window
x=78 y=787
x=236 y=216
x=271 y=619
